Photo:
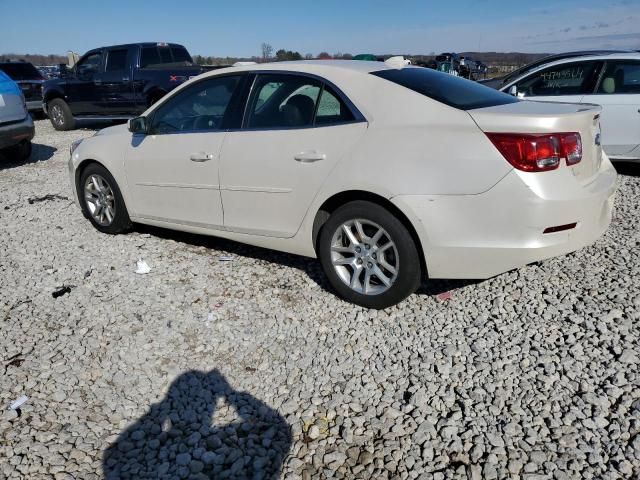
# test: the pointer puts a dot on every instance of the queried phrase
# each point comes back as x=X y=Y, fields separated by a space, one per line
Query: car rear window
x=163 y=55
x=445 y=88
x=21 y=71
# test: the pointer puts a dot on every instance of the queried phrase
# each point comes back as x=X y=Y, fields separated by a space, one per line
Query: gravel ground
x=251 y=368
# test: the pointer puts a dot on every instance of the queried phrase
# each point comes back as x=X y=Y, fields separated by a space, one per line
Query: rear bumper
x=480 y=236
x=15 y=132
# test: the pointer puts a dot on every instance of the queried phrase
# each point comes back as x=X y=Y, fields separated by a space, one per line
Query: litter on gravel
x=18 y=402
x=142 y=268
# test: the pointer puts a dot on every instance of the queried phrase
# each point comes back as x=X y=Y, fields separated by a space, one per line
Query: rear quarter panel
x=415 y=145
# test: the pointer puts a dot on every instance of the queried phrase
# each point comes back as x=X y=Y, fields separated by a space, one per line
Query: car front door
x=83 y=89
x=566 y=82
x=115 y=83
x=296 y=128
x=172 y=171
x=618 y=92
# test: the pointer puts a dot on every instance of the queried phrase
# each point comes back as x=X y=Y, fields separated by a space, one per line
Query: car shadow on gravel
x=631 y=169
x=40 y=153
x=202 y=429
x=310 y=266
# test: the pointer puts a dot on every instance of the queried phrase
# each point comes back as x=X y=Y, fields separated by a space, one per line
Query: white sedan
x=387 y=173
x=610 y=80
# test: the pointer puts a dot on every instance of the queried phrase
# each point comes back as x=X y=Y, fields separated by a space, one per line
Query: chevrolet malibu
x=385 y=172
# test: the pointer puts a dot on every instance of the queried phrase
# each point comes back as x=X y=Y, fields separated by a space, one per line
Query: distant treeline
x=490 y=58
x=34 y=58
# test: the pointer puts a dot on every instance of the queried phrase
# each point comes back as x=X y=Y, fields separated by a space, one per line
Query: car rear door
x=296 y=128
x=172 y=171
x=114 y=84
x=618 y=92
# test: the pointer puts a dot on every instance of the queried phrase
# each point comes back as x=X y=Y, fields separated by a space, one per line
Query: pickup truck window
x=90 y=65
x=162 y=55
x=199 y=107
x=116 y=60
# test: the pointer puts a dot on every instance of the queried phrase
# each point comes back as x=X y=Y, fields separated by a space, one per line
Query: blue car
x=16 y=125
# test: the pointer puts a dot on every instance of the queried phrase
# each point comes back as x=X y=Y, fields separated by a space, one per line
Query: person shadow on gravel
x=202 y=429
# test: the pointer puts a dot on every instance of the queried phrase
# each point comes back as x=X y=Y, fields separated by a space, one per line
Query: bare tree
x=308 y=56
x=267 y=51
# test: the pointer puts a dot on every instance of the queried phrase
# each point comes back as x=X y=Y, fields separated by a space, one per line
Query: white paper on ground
x=142 y=267
x=18 y=402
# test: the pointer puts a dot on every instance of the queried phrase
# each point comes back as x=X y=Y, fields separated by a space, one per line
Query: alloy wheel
x=57 y=115
x=365 y=257
x=100 y=200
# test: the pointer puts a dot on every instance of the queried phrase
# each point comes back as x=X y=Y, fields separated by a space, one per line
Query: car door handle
x=125 y=79
x=201 y=157
x=310 y=157
x=97 y=82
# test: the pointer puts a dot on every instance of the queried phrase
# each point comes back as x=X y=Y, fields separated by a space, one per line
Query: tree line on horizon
x=267 y=54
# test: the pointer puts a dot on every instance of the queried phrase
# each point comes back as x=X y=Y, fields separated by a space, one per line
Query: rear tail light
x=538 y=153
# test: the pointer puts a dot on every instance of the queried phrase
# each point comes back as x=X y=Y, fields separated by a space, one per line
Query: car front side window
x=199 y=107
x=566 y=79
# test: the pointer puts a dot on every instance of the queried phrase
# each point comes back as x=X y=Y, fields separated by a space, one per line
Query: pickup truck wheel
x=101 y=200
x=60 y=115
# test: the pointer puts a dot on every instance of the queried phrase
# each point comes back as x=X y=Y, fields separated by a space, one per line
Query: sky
x=238 y=28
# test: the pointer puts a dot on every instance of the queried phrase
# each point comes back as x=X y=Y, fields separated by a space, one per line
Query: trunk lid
x=549 y=117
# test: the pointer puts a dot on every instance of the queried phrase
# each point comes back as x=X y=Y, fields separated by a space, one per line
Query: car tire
x=380 y=246
x=60 y=115
x=101 y=200
x=19 y=152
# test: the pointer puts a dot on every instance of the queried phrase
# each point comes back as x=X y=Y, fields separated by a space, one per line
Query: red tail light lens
x=571 y=147
x=538 y=153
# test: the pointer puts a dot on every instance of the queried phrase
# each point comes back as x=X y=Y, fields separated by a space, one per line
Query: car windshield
x=20 y=71
x=448 y=89
x=162 y=55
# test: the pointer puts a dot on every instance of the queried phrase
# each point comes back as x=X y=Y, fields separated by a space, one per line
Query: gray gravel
x=252 y=369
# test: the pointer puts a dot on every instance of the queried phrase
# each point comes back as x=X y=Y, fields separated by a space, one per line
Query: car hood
x=115 y=130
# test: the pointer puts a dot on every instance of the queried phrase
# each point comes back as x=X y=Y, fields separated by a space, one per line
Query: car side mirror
x=513 y=90
x=139 y=125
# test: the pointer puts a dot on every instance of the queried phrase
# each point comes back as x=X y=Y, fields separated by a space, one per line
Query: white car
x=610 y=80
x=386 y=174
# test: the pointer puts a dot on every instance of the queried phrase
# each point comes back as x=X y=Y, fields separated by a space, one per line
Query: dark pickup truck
x=116 y=82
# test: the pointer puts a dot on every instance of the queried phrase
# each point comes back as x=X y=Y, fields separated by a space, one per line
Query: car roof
x=311 y=66
x=138 y=44
x=582 y=58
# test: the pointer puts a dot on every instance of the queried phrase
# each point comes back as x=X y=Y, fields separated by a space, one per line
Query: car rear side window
x=448 y=89
x=282 y=101
x=116 y=60
x=621 y=76
x=331 y=110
